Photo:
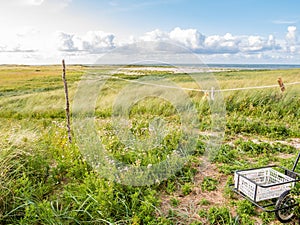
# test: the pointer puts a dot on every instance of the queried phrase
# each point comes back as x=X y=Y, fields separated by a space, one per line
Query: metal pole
x=296 y=162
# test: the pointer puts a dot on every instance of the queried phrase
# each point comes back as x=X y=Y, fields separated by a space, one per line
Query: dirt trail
x=190 y=205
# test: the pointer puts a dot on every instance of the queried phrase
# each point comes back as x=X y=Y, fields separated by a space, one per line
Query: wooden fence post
x=67 y=100
x=281 y=85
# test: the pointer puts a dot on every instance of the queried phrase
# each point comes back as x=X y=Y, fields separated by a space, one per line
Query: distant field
x=46 y=180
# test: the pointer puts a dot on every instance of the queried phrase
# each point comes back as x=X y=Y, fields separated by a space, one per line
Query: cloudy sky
x=219 y=31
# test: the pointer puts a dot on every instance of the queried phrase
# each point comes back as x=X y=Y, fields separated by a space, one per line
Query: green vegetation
x=186 y=188
x=46 y=180
x=209 y=184
x=220 y=215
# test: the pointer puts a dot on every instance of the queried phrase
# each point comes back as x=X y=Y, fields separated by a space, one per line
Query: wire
x=194 y=89
x=200 y=90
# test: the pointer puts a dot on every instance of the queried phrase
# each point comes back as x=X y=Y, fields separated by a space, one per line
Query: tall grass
x=45 y=180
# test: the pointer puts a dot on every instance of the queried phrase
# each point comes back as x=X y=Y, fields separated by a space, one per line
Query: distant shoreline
x=210 y=66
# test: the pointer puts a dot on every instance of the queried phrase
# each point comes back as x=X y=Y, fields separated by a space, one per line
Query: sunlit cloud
x=292 y=39
x=91 y=42
x=84 y=47
x=213 y=44
x=51 y=4
x=35 y=2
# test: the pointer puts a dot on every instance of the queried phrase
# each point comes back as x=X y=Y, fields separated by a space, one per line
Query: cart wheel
x=285 y=207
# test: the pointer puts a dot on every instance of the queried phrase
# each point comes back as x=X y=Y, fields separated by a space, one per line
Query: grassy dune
x=46 y=180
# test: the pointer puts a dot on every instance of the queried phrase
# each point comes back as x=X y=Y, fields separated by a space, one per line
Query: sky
x=81 y=31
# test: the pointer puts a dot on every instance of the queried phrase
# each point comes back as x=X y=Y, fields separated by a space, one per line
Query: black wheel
x=285 y=207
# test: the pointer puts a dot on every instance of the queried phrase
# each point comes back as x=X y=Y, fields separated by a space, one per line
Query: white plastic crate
x=263 y=176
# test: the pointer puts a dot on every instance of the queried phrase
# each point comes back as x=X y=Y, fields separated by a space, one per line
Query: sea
x=247 y=66
x=213 y=66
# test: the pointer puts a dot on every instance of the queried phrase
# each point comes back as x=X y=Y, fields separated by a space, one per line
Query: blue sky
x=208 y=16
x=231 y=31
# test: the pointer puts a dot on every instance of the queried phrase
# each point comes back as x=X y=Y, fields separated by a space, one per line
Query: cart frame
x=275 y=206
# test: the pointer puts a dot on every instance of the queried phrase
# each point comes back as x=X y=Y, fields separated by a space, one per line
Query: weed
x=202 y=213
x=246 y=219
x=228 y=188
x=226 y=154
x=209 y=184
x=220 y=215
x=204 y=202
x=186 y=188
x=171 y=187
x=245 y=207
x=174 y=202
x=266 y=217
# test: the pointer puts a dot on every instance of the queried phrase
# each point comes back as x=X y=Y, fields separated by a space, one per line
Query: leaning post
x=67 y=100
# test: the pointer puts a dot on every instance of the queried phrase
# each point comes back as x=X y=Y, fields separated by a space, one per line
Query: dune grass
x=45 y=180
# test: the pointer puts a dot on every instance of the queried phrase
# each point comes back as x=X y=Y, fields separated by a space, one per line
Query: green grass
x=46 y=180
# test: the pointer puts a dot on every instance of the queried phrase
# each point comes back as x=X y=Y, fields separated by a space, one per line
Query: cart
x=271 y=184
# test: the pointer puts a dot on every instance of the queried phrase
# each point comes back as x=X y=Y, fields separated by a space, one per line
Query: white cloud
x=34 y=2
x=63 y=3
x=97 y=41
x=221 y=44
x=214 y=44
x=91 y=42
x=291 y=36
x=253 y=44
x=190 y=38
x=27 y=31
x=65 y=42
x=15 y=48
x=271 y=41
x=155 y=35
x=26 y=39
x=234 y=44
x=292 y=39
x=50 y=5
x=29 y=42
